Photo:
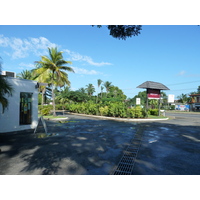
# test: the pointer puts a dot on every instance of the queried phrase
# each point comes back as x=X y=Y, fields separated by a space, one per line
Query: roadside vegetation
x=108 y=100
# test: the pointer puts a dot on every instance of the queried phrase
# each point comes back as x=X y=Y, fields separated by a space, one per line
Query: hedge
x=117 y=109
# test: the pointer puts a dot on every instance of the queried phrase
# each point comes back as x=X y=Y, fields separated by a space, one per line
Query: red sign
x=153 y=94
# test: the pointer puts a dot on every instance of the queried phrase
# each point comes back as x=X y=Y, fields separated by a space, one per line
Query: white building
x=22 y=112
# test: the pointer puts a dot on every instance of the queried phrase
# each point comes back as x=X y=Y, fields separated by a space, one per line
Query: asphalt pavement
x=91 y=146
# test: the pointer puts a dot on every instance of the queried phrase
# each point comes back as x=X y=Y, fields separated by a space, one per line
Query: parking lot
x=91 y=146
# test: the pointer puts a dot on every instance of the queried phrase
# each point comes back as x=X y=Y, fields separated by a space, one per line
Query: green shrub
x=47 y=107
x=45 y=111
x=144 y=113
x=103 y=110
x=112 y=109
x=138 y=112
x=153 y=112
x=59 y=107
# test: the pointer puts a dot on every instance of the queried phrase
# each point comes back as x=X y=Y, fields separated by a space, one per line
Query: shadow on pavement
x=83 y=146
x=87 y=146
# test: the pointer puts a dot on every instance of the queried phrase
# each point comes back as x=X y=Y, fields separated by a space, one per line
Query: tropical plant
x=102 y=90
x=99 y=82
x=51 y=69
x=82 y=90
x=26 y=74
x=90 y=89
x=5 y=91
x=116 y=109
x=153 y=112
x=45 y=111
x=107 y=85
x=61 y=96
x=183 y=98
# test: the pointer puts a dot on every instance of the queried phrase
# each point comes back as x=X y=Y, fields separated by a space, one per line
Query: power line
x=165 y=84
x=183 y=83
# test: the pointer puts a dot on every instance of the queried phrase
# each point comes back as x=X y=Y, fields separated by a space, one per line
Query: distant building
x=195 y=102
x=22 y=112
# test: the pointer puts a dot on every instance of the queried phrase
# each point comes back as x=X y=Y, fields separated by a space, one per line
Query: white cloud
x=74 y=56
x=85 y=71
x=181 y=73
x=30 y=66
x=21 y=48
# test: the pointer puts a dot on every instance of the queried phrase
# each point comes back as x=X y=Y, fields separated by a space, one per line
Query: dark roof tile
x=153 y=85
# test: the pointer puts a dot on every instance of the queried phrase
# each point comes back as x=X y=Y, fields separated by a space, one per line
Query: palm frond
x=5 y=90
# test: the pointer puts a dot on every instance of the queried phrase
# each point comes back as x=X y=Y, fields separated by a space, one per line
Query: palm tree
x=90 y=89
x=81 y=90
x=107 y=85
x=102 y=90
x=52 y=70
x=99 y=81
x=5 y=90
x=25 y=74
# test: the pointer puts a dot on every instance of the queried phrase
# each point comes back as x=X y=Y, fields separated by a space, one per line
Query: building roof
x=194 y=95
x=153 y=85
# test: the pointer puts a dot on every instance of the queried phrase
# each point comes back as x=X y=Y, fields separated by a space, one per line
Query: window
x=25 y=108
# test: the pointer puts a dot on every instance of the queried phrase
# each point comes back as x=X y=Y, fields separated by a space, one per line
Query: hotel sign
x=153 y=93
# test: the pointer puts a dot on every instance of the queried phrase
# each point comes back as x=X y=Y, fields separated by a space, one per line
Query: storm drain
x=126 y=164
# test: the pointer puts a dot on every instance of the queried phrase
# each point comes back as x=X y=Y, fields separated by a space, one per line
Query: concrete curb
x=119 y=119
x=57 y=119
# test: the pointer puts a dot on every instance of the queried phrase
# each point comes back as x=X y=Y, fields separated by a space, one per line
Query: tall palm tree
x=102 y=90
x=99 y=81
x=107 y=85
x=90 y=89
x=5 y=90
x=52 y=70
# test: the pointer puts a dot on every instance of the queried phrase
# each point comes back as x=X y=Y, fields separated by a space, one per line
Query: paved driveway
x=87 y=145
x=84 y=146
x=169 y=148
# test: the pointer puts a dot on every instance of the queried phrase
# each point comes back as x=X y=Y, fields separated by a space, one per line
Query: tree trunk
x=53 y=98
x=97 y=97
x=43 y=91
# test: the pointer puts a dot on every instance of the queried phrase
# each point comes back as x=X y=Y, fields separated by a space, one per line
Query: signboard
x=43 y=123
x=153 y=94
x=137 y=101
x=182 y=107
x=170 y=98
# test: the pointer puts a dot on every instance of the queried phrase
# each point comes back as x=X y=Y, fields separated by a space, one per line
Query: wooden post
x=147 y=101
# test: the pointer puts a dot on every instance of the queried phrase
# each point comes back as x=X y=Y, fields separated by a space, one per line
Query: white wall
x=9 y=120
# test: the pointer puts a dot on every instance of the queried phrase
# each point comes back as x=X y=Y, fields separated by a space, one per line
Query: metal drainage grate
x=126 y=164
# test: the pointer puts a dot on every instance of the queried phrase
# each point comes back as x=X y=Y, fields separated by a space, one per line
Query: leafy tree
x=52 y=70
x=5 y=91
x=123 y=31
x=183 y=98
x=115 y=92
x=82 y=90
x=198 y=89
x=142 y=96
x=77 y=96
x=61 y=96
x=90 y=89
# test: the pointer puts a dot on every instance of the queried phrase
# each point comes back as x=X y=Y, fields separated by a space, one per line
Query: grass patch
x=156 y=117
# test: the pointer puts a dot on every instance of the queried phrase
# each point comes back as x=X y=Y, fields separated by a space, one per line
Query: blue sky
x=165 y=54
